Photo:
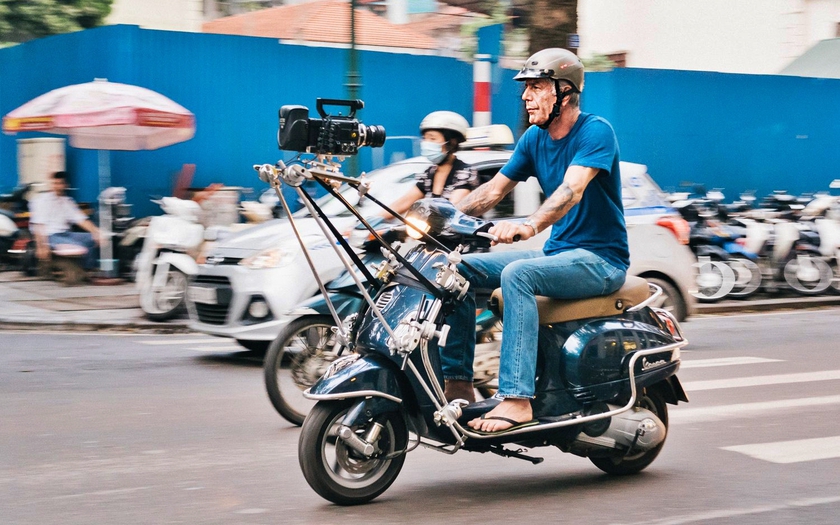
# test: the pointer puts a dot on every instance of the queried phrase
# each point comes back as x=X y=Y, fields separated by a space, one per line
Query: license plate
x=199 y=294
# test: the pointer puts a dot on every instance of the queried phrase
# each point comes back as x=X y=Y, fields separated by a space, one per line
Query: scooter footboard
x=356 y=376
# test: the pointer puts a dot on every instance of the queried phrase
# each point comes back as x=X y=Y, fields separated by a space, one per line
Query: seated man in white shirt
x=52 y=214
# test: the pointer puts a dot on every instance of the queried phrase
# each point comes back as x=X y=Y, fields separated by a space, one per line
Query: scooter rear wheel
x=621 y=464
x=337 y=472
x=298 y=356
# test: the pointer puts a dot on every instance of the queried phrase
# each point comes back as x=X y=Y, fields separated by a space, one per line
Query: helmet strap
x=557 y=108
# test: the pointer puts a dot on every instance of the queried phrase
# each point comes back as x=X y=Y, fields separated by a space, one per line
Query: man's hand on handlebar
x=510 y=232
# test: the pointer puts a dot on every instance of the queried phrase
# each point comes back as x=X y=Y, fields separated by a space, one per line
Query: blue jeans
x=522 y=275
x=83 y=239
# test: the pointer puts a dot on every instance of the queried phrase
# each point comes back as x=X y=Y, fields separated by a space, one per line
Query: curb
x=766 y=305
x=71 y=326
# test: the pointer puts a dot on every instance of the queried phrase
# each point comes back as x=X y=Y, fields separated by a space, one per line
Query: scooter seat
x=634 y=291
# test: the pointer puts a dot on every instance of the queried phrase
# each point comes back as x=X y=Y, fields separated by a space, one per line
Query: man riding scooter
x=574 y=156
x=53 y=214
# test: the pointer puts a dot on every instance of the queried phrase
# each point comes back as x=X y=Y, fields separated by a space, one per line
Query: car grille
x=214 y=313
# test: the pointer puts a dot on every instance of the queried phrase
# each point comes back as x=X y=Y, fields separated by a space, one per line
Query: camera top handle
x=352 y=104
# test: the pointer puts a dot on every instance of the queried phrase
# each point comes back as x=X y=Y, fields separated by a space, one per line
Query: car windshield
x=387 y=184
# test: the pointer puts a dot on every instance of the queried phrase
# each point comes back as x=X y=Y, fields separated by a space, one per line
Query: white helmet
x=446 y=121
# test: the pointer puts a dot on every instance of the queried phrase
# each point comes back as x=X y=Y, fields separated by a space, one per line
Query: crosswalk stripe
x=717 y=413
x=726 y=361
x=792 y=451
x=183 y=341
x=737 y=382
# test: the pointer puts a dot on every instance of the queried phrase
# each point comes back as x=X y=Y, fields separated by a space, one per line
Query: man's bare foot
x=514 y=411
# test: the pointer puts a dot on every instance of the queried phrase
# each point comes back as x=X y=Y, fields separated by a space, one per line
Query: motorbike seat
x=634 y=291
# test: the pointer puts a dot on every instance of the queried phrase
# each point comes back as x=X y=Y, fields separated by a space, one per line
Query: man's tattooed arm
x=564 y=197
x=483 y=198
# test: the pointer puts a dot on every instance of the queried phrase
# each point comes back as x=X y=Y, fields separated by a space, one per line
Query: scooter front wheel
x=621 y=463
x=335 y=470
x=167 y=301
x=298 y=356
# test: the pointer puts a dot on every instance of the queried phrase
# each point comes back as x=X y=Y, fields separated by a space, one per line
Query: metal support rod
x=349 y=267
x=408 y=266
x=356 y=260
x=321 y=287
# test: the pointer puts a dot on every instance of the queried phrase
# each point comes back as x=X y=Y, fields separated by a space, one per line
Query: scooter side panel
x=596 y=354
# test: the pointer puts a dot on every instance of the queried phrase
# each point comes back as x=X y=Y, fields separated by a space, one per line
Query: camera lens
x=373 y=136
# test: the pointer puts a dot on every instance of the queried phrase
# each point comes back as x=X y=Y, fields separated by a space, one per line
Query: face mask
x=432 y=151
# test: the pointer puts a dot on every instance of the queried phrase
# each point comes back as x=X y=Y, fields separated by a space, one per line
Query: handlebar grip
x=516 y=238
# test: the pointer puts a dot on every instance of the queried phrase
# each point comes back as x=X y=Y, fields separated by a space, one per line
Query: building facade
x=730 y=36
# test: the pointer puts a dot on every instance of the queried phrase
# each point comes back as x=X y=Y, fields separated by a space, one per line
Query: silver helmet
x=556 y=64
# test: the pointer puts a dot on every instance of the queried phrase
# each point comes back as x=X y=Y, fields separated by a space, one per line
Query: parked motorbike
x=787 y=253
x=306 y=345
x=17 y=248
x=168 y=257
x=606 y=369
x=725 y=268
x=175 y=240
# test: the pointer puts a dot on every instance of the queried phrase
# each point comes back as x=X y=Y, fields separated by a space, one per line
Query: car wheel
x=671 y=298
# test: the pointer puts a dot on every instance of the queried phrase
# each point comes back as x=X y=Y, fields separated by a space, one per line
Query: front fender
x=356 y=376
x=181 y=261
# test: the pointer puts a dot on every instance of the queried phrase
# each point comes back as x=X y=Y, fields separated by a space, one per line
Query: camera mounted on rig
x=328 y=135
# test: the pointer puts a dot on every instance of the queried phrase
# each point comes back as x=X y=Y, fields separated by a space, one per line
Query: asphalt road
x=106 y=429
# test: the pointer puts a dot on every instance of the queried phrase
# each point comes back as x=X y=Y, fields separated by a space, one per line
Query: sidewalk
x=33 y=303
x=36 y=304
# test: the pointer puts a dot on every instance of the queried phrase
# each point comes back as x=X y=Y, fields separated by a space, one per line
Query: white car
x=249 y=281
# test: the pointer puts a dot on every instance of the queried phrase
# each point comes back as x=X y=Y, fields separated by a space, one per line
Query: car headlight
x=273 y=258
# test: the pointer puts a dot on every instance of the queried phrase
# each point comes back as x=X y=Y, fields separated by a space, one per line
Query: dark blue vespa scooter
x=606 y=370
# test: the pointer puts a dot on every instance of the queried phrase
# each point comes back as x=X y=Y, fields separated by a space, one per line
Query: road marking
x=792 y=451
x=726 y=361
x=717 y=413
x=183 y=341
x=779 y=379
x=731 y=513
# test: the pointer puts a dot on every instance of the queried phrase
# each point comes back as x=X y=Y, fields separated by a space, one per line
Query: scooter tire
x=824 y=273
x=150 y=305
x=289 y=370
x=748 y=277
x=621 y=465
x=338 y=473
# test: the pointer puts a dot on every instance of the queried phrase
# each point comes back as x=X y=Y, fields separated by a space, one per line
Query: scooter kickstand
x=507 y=453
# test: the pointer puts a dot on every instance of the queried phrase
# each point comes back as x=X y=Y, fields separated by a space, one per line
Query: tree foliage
x=22 y=20
x=550 y=22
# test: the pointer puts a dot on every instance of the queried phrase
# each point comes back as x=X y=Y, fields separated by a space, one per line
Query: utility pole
x=353 y=79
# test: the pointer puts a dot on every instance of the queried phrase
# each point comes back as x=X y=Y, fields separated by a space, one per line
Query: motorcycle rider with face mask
x=448 y=177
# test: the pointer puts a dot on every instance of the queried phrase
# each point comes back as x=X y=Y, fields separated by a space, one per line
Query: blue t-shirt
x=596 y=223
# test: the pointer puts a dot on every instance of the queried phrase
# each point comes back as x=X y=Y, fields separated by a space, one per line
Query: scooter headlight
x=417 y=227
x=273 y=258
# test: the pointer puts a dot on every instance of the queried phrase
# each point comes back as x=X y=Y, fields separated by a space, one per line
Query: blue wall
x=737 y=132
x=234 y=85
x=732 y=131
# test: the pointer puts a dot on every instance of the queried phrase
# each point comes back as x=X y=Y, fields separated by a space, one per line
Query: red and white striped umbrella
x=105 y=116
